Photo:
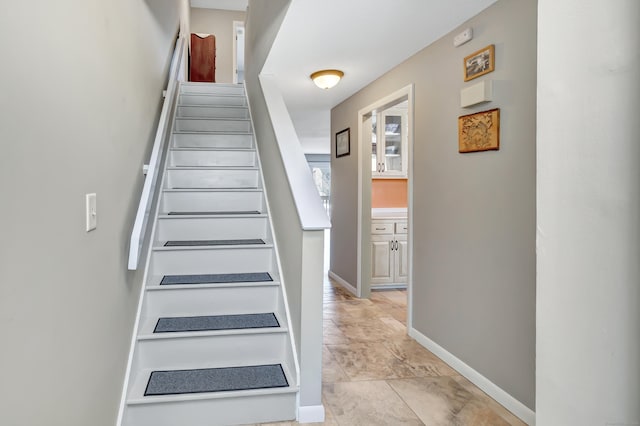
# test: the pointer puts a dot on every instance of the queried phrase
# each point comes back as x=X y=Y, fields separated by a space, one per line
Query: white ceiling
x=363 y=38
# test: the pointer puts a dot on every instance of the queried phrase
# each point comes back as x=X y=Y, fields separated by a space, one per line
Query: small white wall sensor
x=463 y=37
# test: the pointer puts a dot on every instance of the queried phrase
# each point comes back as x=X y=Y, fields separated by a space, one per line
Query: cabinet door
x=381 y=259
x=401 y=260
x=394 y=135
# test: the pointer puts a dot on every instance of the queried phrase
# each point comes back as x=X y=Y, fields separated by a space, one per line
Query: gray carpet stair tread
x=211 y=213
x=248 y=277
x=196 y=243
x=176 y=382
x=216 y=322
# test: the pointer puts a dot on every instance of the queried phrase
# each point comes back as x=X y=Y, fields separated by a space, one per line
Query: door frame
x=234 y=64
x=363 y=276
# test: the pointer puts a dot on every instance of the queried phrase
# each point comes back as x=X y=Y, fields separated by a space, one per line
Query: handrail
x=176 y=72
x=311 y=212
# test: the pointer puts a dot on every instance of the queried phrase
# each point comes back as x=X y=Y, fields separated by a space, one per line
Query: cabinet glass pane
x=374 y=145
x=393 y=142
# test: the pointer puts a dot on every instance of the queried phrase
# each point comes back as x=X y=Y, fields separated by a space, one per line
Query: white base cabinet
x=389 y=263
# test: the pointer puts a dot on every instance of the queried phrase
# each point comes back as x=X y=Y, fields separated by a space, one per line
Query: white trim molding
x=311 y=414
x=344 y=283
x=502 y=397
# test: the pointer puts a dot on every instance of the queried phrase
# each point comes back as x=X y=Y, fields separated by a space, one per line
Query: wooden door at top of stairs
x=203 y=58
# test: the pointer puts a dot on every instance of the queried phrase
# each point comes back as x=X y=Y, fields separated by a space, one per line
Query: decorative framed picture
x=343 y=143
x=479 y=131
x=479 y=63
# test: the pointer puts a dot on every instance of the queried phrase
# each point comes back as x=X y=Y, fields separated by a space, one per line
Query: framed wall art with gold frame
x=479 y=63
x=479 y=131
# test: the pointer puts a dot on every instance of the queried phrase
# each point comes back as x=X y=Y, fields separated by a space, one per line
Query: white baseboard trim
x=311 y=414
x=337 y=278
x=510 y=403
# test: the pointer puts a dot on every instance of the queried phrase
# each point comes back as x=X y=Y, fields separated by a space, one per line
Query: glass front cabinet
x=389 y=143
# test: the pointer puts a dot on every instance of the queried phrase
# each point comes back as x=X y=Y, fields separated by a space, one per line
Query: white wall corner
x=502 y=397
x=344 y=283
x=311 y=414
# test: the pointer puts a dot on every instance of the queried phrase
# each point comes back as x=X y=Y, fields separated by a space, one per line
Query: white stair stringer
x=212 y=223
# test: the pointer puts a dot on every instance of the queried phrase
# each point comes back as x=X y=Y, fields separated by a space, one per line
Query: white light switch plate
x=91 y=212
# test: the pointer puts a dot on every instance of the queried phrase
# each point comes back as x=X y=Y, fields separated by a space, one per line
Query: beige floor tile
x=332 y=335
x=507 y=415
x=331 y=370
x=435 y=400
x=371 y=403
x=371 y=330
x=363 y=361
x=422 y=362
x=477 y=413
x=396 y=296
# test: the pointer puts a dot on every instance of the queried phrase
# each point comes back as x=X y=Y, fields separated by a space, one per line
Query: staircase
x=213 y=345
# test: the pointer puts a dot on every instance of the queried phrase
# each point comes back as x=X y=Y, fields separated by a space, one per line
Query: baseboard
x=510 y=403
x=337 y=278
x=311 y=414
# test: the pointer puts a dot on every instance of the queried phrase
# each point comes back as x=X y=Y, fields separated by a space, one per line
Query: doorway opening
x=238 y=52
x=385 y=130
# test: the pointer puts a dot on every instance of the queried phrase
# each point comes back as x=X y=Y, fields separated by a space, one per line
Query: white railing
x=176 y=74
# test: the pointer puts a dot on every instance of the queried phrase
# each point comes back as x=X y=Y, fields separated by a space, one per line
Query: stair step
x=221 y=213
x=206 y=243
x=175 y=382
x=211 y=200
x=251 y=277
x=187 y=99
x=211 y=259
x=229 y=229
x=241 y=407
x=222 y=111
x=216 y=322
x=199 y=157
x=212 y=178
x=212 y=88
x=212 y=140
x=213 y=125
x=188 y=300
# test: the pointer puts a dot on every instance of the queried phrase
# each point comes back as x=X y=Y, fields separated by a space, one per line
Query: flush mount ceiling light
x=326 y=79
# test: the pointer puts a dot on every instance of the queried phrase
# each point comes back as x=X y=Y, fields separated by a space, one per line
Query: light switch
x=92 y=212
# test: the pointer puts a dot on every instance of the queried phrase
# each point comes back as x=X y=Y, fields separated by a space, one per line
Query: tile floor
x=374 y=374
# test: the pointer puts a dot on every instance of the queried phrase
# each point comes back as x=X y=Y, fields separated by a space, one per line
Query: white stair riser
x=214 y=89
x=211 y=351
x=211 y=228
x=204 y=125
x=194 y=140
x=199 y=201
x=173 y=301
x=211 y=100
x=214 y=412
x=213 y=111
x=212 y=158
x=216 y=261
x=212 y=178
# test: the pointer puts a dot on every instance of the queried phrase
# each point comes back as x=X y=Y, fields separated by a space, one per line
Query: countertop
x=389 y=213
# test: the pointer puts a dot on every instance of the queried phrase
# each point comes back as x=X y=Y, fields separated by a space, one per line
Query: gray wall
x=263 y=23
x=588 y=322
x=220 y=24
x=81 y=92
x=473 y=214
x=300 y=251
